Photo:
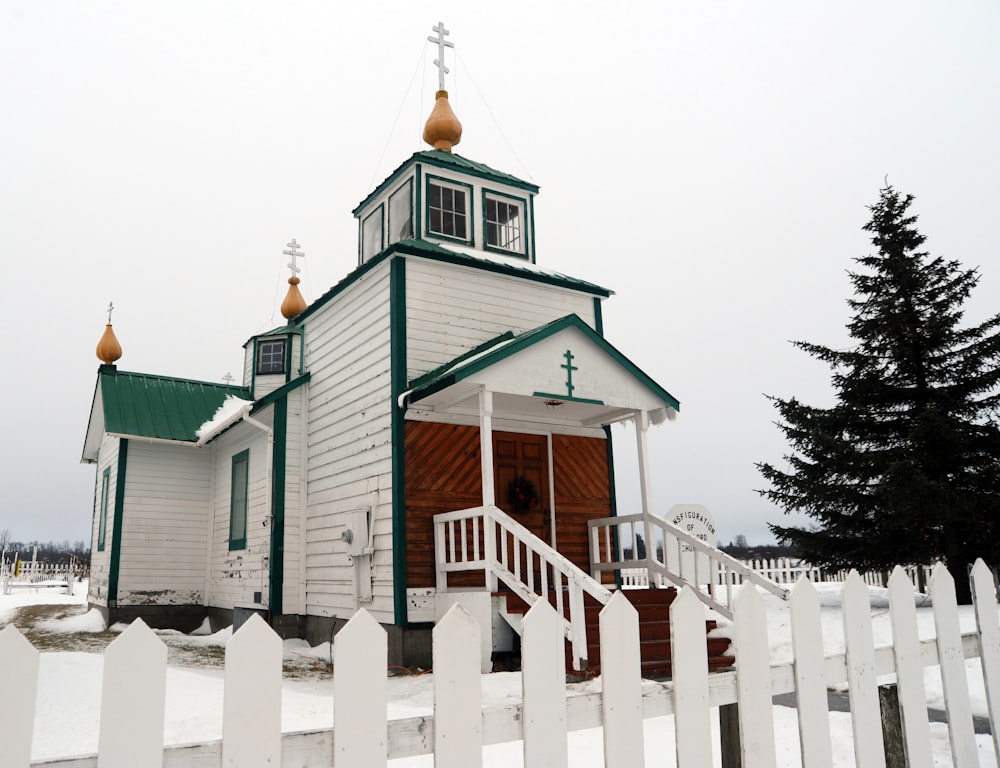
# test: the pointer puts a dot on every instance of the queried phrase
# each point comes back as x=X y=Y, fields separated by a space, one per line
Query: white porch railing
x=486 y=538
x=671 y=557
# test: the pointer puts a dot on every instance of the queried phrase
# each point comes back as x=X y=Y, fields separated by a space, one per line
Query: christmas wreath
x=522 y=494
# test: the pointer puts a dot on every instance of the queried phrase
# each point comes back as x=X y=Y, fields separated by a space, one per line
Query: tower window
x=504 y=227
x=238 y=500
x=400 y=214
x=271 y=356
x=448 y=210
x=371 y=235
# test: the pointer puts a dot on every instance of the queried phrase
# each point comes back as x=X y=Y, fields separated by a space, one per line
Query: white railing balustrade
x=489 y=540
x=671 y=557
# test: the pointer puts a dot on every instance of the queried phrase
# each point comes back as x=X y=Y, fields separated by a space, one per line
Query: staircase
x=653 y=607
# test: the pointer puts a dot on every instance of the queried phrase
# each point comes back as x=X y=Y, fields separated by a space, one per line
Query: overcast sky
x=709 y=162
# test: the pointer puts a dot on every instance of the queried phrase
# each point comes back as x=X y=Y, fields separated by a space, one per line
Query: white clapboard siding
x=952 y=661
x=861 y=677
x=454 y=308
x=166 y=524
x=906 y=648
x=17 y=703
x=621 y=683
x=810 y=683
x=251 y=713
x=753 y=679
x=132 y=710
x=133 y=694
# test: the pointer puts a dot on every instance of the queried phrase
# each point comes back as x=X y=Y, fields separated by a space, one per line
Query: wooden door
x=523 y=456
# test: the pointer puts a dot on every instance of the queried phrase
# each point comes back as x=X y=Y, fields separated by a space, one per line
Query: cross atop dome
x=441 y=44
x=293 y=250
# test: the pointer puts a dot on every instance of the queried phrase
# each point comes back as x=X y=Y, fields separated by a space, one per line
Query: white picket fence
x=132 y=703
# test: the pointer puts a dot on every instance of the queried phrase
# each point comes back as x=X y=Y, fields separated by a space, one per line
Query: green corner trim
x=276 y=580
x=116 y=531
x=397 y=356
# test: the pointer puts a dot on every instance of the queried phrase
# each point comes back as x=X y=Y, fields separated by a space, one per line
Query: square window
x=271 y=356
x=504 y=229
x=448 y=211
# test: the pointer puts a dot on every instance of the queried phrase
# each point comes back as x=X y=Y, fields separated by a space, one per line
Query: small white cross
x=441 y=44
x=111 y=308
x=293 y=251
x=228 y=378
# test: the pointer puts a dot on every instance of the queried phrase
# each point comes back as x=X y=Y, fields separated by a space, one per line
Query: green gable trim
x=598 y=317
x=568 y=398
x=142 y=405
x=456 y=371
x=434 y=374
x=276 y=564
x=397 y=364
x=116 y=530
x=450 y=161
x=280 y=392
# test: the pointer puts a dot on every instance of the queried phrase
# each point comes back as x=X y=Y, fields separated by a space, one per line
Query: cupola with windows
x=441 y=197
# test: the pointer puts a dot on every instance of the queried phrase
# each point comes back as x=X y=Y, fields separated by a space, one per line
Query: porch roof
x=560 y=372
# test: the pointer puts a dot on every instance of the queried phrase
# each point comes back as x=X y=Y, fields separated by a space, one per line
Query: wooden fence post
x=251 y=701
x=360 y=690
x=621 y=684
x=984 y=597
x=810 y=685
x=689 y=664
x=892 y=727
x=861 y=680
x=543 y=675
x=729 y=735
x=753 y=679
x=458 y=720
x=19 y=672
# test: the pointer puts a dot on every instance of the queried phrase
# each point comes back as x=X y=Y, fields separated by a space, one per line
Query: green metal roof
x=142 y=405
x=504 y=346
x=450 y=160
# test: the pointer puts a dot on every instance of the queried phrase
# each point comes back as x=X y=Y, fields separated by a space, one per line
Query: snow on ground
x=68 y=703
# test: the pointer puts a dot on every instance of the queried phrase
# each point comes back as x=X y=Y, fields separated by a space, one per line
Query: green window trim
x=469 y=218
x=102 y=525
x=238 y=506
x=523 y=236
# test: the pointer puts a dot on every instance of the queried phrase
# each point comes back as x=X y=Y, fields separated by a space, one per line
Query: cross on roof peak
x=441 y=44
x=292 y=251
x=111 y=308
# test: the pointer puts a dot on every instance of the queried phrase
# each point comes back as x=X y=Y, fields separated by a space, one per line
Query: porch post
x=641 y=426
x=489 y=494
x=486 y=444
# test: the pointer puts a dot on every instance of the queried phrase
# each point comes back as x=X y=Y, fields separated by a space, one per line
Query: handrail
x=683 y=559
x=486 y=538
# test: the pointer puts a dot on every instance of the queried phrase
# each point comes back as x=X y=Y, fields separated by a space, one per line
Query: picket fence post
x=810 y=684
x=753 y=679
x=133 y=696
x=909 y=672
x=621 y=684
x=360 y=684
x=458 y=720
x=859 y=646
x=19 y=672
x=984 y=597
x=543 y=675
x=251 y=712
x=689 y=664
x=952 y=661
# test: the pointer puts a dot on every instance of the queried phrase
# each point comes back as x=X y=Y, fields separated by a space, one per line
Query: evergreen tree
x=905 y=467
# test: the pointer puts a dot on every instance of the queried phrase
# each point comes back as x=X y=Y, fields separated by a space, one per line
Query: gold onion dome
x=108 y=348
x=294 y=304
x=442 y=131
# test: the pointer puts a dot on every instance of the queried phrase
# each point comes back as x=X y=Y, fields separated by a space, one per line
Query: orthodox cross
x=569 y=372
x=111 y=308
x=441 y=44
x=228 y=378
x=293 y=252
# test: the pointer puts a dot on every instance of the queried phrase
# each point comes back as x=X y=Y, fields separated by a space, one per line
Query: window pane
x=271 y=356
x=447 y=211
x=371 y=236
x=503 y=224
x=238 y=502
x=400 y=216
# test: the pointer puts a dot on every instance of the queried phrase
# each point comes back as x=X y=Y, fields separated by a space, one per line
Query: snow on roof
x=224 y=414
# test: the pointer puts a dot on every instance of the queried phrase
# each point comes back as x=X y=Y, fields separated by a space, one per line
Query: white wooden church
x=434 y=427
